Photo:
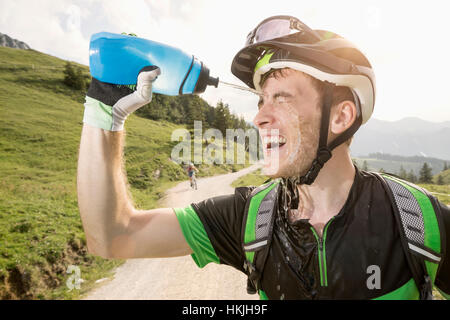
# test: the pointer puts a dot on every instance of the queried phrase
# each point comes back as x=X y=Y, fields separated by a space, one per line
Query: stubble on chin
x=302 y=151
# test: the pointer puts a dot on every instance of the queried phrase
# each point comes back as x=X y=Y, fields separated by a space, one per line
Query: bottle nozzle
x=213 y=81
x=205 y=80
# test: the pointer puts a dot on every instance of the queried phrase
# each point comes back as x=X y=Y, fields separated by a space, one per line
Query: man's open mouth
x=271 y=142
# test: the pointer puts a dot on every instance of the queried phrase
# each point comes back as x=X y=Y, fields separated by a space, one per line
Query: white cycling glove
x=108 y=105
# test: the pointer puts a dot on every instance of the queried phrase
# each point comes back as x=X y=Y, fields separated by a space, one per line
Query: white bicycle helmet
x=285 y=42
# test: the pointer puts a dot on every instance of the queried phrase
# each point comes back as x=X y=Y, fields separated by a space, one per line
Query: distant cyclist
x=191 y=169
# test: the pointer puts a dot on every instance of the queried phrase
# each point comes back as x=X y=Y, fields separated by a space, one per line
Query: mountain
x=7 y=41
x=406 y=137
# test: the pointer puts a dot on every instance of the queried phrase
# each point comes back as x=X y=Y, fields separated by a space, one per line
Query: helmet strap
x=323 y=152
x=323 y=149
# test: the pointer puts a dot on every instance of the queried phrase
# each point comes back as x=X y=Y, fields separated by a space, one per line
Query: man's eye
x=260 y=104
x=281 y=99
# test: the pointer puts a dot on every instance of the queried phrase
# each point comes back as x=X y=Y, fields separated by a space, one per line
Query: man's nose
x=264 y=117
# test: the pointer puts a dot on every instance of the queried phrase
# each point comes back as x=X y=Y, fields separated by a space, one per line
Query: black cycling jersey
x=362 y=238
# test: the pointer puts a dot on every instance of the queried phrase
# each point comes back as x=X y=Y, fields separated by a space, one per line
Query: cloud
x=405 y=41
x=49 y=26
x=128 y=16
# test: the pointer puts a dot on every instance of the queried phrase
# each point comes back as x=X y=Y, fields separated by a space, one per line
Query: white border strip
x=255 y=245
x=423 y=252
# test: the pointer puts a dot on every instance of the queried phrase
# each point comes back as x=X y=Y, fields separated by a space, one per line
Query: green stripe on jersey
x=262 y=295
x=196 y=236
x=408 y=291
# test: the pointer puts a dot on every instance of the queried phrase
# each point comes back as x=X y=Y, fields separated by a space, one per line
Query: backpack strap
x=420 y=230
x=257 y=229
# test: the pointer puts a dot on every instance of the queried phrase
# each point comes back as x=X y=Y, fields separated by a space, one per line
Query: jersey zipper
x=321 y=253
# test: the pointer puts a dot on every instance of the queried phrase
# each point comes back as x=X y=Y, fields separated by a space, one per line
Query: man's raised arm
x=113 y=227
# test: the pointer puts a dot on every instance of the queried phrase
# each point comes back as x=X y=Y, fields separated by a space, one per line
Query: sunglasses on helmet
x=276 y=27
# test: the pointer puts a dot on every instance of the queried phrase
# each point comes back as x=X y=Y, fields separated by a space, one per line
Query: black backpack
x=418 y=219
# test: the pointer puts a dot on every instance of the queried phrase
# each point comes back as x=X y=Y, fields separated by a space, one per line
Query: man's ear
x=342 y=116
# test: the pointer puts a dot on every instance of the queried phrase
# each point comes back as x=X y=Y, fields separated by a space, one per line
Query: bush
x=73 y=77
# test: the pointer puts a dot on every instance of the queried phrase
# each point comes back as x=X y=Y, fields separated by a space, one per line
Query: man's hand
x=107 y=105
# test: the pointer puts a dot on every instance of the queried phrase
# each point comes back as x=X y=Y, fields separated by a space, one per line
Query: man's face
x=289 y=123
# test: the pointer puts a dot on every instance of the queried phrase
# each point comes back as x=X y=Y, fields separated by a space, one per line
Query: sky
x=406 y=41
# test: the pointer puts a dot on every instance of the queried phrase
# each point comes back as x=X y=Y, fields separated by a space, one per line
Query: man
x=191 y=169
x=333 y=224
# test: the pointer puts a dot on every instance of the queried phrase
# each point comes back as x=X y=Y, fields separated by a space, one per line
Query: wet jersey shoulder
x=222 y=220
x=443 y=275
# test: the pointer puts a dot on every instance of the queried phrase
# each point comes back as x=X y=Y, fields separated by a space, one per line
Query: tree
x=365 y=166
x=156 y=109
x=425 y=174
x=194 y=110
x=210 y=114
x=411 y=177
x=445 y=166
x=222 y=117
x=402 y=173
x=440 y=180
x=73 y=77
x=175 y=114
x=242 y=124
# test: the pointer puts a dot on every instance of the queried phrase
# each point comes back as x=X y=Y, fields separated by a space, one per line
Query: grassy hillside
x=40 y=126
x=255 y=178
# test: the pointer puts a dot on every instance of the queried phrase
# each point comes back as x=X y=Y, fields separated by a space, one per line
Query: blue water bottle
x=117 y=58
